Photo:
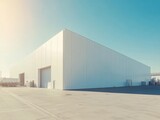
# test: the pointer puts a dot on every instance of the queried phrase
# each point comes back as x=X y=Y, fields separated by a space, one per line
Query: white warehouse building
x=71 y=61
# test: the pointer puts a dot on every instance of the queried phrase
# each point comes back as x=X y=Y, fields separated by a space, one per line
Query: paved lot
x=44 y=104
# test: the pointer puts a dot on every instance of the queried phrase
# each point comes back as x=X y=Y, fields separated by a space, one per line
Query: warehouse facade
x=71 y=61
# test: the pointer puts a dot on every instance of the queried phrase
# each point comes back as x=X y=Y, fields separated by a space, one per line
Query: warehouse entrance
x=22 y=79
x=45 y=77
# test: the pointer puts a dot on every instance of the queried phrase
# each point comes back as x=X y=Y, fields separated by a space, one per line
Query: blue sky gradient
x=131 y=27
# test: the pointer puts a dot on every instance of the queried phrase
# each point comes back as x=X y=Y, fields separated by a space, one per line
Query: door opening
x=45 y=77
x=22 y=79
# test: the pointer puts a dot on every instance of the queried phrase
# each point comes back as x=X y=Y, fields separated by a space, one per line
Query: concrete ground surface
x=46 y=104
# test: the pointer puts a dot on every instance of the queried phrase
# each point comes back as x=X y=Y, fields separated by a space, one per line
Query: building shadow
x=146 y=90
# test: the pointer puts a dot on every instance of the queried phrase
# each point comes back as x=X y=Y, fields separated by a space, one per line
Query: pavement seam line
x=34 y=106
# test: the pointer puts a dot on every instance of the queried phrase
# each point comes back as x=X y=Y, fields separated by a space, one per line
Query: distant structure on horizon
x=71 y=61
x=156 y=76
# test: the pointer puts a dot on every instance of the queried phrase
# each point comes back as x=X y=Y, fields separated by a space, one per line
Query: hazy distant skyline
x=130 y=27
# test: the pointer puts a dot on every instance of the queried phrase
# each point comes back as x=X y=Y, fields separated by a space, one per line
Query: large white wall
x=49 y=54
x=77 y=62
x=88 y=64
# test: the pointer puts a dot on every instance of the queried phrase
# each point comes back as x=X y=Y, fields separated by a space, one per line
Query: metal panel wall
x=49 y=54
x=77 y=62
x=88 y=64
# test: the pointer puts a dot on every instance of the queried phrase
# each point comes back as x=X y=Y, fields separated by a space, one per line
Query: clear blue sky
x=131 y=27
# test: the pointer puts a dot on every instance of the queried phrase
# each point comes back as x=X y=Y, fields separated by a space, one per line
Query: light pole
x=0 y=74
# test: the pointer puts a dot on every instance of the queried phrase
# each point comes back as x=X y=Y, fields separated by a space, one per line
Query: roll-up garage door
x=45 y=77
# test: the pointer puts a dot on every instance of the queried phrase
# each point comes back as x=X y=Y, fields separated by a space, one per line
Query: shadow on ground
x=147 y=90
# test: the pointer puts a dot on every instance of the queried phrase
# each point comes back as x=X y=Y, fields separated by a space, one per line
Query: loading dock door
x=45 y=77
x=21 y=78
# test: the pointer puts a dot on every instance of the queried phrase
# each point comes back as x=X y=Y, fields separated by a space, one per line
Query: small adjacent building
x=155 y=76
x=71 y=61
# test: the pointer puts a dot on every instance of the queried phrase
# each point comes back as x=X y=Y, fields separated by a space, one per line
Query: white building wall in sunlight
x=77 y=62
x=87 y=64
x=49 y=54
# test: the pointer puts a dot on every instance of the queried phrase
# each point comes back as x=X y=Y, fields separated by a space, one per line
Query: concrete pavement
x=45 y=104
